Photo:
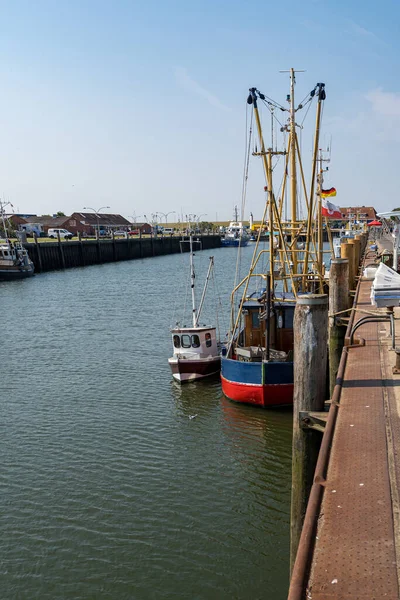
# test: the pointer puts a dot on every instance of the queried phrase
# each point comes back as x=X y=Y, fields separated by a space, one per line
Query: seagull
x=192 y=416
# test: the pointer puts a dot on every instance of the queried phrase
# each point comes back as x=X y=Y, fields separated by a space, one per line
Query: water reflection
x=197 y=397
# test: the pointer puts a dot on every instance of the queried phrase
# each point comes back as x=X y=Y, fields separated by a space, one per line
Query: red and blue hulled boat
x=258 y=366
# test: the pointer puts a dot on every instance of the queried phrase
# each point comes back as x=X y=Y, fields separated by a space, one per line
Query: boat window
x=186 y=341
x=208 y=340
x=195 y=341
x=177 y=341
x=5 y=252
x=255 y=319
x=288 y=318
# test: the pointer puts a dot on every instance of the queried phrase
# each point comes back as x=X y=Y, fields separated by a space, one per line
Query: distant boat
x=196 y=349
x=14 y=260
x=236 y=234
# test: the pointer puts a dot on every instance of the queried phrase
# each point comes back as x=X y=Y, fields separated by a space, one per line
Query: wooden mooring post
x=39 y=252
x=61 y=251
x=310 y=356
x=338 y=301
x=347 y=251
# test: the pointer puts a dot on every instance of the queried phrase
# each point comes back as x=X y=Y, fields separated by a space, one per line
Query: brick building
x=361 y=214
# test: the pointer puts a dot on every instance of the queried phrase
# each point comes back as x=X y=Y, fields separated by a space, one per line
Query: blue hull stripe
x=250 y=372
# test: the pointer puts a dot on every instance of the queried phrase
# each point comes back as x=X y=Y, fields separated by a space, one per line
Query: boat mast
x=192 y=278
x=320 y=179
x=210 y=266
x=293 y=179
x=320 y=90
x=292 y=160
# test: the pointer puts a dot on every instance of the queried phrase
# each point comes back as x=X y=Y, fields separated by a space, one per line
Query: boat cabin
x=253 y=335
x=7 y=254
x=198 y=342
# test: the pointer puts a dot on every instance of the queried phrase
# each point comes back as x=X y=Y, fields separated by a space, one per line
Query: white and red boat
x=196 y=349
x=195 y=353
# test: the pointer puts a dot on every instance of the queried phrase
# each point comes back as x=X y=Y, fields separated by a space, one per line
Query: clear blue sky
x=141 y=105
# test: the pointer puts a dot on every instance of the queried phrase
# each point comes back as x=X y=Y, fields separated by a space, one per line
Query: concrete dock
x=350 y=543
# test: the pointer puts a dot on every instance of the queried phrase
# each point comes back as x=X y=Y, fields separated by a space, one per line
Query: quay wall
x=49 y=256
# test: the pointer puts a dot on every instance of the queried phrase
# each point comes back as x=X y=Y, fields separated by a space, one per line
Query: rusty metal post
x=310 y=356
x=338 y=301
x=347 y=251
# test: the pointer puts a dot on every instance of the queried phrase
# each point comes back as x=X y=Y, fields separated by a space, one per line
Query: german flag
x=328 y=193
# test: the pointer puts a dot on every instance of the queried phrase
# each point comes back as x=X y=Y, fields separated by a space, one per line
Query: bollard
x=357 y=252
x=310 y=355
x=347 y=251
x=338 y=301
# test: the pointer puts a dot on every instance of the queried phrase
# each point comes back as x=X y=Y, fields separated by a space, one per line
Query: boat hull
x=258 y=383
x=11 y=274
x=233 y=243
x=185 y=370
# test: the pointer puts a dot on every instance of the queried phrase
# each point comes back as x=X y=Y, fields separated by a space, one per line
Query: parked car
x=134 y=232
x=120 y=234
x=64 y=234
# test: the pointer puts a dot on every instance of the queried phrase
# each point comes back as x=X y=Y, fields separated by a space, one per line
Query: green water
x=108 y=488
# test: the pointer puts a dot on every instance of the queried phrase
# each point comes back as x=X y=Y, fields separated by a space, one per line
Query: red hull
x=260 y=395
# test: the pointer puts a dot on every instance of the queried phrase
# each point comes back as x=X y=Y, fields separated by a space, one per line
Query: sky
x=141 y=106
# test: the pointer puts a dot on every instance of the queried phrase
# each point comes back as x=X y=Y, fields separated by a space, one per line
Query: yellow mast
x=320 y=252
x=321 y=96
x=293 y=180
x=292 y=160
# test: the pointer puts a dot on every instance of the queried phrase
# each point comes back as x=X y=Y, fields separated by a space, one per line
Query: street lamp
x=135 y=217
x=97 y=215
x=199 y=217
x=171 y=212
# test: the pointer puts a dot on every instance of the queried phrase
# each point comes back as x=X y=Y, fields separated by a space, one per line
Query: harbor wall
x=49 y=256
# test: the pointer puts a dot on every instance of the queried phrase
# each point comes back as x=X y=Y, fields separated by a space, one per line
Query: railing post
x=310 y=356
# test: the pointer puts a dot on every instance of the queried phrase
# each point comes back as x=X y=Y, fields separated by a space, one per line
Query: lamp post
x=189 y=218
x=171 y=212
x=97 y=215
x=198 y=218
x=135 y=217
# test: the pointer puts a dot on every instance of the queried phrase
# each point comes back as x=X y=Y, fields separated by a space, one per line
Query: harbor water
x=117 y=483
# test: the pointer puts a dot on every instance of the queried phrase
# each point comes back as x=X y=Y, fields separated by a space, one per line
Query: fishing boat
x=236 y=234
x=257 y=364
x=196 y=349
x=14 y=260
